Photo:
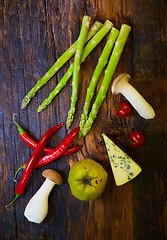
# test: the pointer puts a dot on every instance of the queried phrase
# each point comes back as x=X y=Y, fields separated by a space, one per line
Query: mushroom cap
x=121 y=79
x=53 y=176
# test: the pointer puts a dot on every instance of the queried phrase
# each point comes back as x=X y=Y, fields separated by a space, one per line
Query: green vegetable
x=80 y=44
x=86 y=51
x=98 y=70
x=111 y=67
x=57 y=65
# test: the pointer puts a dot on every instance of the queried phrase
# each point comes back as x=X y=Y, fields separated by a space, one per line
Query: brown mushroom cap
x=121 y=79
x=53 y=176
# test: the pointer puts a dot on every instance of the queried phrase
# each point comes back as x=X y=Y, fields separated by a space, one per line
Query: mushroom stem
x=142 y=107
x=121 y=85
x=37 y=208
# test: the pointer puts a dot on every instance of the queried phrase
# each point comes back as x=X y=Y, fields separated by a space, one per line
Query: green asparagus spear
x=98 y=70
x=111 y=67
x=80 y=44
x=57 y=65
x=87 y=50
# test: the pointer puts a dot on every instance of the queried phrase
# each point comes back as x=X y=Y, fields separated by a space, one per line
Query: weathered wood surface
x=33 y=34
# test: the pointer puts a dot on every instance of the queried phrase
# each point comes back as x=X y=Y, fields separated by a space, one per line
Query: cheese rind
x=124 y=168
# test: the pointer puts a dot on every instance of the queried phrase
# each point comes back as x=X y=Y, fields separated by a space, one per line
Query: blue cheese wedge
x=123 y=167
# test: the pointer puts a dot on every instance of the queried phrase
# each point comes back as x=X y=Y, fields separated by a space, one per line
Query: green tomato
x=87 y=179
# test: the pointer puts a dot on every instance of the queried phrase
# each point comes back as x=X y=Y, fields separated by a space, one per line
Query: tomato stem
x=118 y=106
x=130 y=140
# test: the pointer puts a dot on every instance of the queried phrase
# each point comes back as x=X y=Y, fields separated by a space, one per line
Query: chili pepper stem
x=21 y=131
x=22 y=167
x=66 y=153
x=16 y=197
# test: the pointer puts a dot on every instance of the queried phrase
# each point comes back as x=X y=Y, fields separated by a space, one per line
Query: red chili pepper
x=33 y=144
x=57 y=152
x=71 y=150
x=68 y=152
x=31 y=163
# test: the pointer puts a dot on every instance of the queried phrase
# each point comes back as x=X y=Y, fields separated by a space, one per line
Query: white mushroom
x=37 y=208
x=121 y=85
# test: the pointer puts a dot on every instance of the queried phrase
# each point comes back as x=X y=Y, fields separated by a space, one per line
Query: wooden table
x=33 y=34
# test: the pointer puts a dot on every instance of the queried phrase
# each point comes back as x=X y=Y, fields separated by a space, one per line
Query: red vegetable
x=33 y=144
x=31 y=163
x=136 y=138
x=62 y=147
x=123 y=109
x=57 y=152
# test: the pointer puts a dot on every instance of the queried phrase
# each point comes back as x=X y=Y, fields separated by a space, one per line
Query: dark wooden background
x=33 y=34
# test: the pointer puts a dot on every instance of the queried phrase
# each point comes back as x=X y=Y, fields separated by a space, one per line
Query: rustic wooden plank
x=149 y=70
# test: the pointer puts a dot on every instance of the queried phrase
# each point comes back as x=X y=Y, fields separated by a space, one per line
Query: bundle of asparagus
x=96 y=33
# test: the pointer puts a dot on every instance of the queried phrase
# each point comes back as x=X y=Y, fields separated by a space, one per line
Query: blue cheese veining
x=123 y=167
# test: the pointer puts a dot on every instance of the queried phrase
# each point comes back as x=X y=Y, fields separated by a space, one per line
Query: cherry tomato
x=136 y=138
x=123 y=109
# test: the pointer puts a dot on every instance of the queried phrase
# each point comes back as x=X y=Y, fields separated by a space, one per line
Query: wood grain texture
x=33 y=34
